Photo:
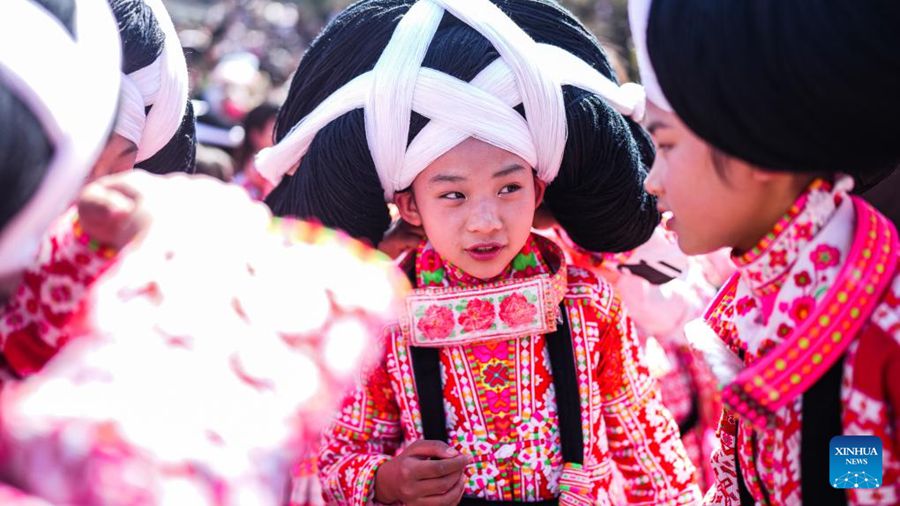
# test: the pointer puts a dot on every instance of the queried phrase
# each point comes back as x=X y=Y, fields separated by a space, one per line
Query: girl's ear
x=406 y=204
x=539 y=188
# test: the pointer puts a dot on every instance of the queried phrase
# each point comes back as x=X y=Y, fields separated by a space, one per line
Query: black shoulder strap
x=426 y=365
x=565 y=382
x=427 y=373
x=821 y=421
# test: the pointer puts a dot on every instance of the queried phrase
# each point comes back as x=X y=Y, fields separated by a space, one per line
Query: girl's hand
x=426 y=473
x=110 y=209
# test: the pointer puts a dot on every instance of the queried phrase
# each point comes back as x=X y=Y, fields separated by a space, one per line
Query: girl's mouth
x=484 y=252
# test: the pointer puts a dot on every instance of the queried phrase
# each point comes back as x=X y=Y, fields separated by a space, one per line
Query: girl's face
x=734 y=206
x=476 y=203
x=117 y=156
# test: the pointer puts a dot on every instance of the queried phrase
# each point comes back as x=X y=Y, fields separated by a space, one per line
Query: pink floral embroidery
x=491 y=351
x=745 y=305
x=479 y=315
x=825 y=256
x=496 y=375
x=778 y=258
x=804 y=230
x=431 y=261
x=437 y=322
x=802 y=307
x=498 y=401
x=784 y=330
x=515 y=310
x=802 y=279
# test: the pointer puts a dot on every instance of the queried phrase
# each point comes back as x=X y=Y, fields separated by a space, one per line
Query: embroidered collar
x=822 y=335
x=453 y=308
x=764 y=267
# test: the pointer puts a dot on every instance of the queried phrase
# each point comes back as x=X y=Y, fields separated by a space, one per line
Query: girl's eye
x=453 y=196
x=510 y=188
x=664 y=146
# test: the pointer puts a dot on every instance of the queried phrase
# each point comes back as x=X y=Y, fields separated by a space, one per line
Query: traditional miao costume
x=537 y=374
x=813 y=312
x=810 y=319
x=545 y=407
x=33 y=321
x=663 y=290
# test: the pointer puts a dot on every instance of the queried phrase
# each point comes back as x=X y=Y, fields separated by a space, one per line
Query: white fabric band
x=527 y=73
x=638 y=17
x=76 y=110
x=164 y=85
x=131 y=119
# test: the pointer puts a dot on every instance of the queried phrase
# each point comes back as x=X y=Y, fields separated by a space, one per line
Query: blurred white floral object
x=207 y=360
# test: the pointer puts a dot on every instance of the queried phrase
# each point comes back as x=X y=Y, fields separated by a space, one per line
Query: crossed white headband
x=162 y=84
x=638 y=17
x=526 y=73
x=76 y=112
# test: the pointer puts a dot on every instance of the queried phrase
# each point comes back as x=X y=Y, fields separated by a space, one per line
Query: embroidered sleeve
x=34 y=319
x=643 y=437
x=365 y=434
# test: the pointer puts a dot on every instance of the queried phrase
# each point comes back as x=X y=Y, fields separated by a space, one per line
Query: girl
x=200 y=299
x=754 y=145
x=83 y=244
x=513 y=377
x=155 y=125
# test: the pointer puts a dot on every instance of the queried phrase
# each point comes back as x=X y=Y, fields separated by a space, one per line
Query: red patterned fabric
x=780 y=285
x=500 y=406
x=33 y=321
x=660 y=313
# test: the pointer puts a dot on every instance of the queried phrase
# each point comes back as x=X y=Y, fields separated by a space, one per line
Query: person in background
x=154 y=131
x=155 y=128
x=259 y=130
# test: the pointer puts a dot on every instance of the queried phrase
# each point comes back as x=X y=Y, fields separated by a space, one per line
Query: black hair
x=25 y=150
x=142 y=43
x=598 y=195
x=180 y=153
x=780 y=83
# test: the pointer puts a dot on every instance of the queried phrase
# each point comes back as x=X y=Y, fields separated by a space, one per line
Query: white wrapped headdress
x=71 y=85
x=163 y=85
x=527 y=73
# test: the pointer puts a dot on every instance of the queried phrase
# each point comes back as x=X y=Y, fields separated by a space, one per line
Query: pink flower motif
x=515 y=310
x=801 y=308
x=491 y=351
x=784 y=330
x=825 y=256
x=479 y=315
x=804 y=230
x=498 y=401
x=437 y=322
x=802 y=279
x=778 y=258
x=745 y=304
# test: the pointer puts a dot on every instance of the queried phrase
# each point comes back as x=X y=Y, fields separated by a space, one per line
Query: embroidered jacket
x=33 y=322
x=499 y=396
x=813 y=311
x=660 y=312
